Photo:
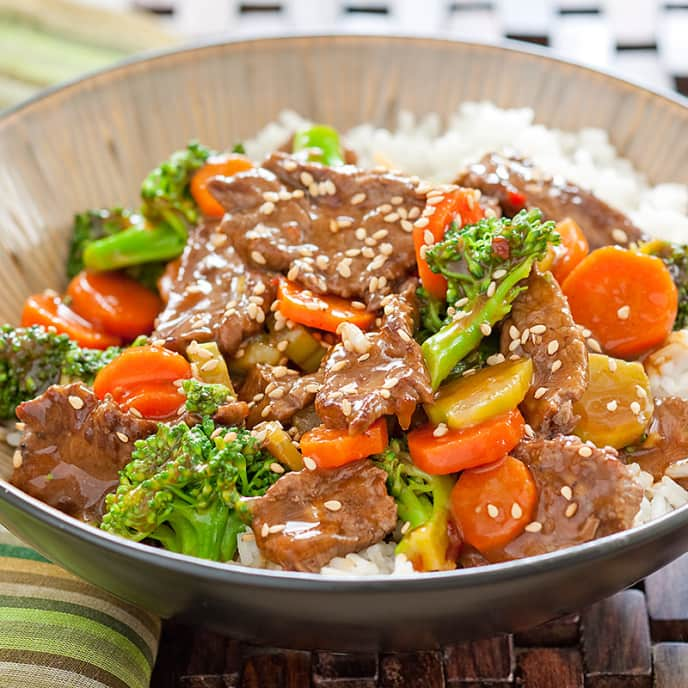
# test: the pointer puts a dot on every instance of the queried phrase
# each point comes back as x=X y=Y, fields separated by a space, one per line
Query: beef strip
x=73 y=447
x=516 y=182
x=604 y=497
x=360 y=514
x=337 y=230
x=213 y=295
x=544 y=304
x=378 y=374
x=276 y=393
x=667 y=438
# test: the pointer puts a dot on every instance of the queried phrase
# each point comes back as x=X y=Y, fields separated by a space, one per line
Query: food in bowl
x=293 y=355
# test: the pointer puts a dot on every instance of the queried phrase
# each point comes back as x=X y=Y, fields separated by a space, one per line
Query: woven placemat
x=635 y=639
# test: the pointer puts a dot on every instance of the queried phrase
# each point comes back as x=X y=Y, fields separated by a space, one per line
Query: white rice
x=667 y=367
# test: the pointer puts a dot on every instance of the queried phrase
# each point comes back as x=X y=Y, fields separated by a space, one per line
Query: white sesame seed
x=525 y=335
x=498 y=274
x=277 y=528
x=276 y=467
x=390 y=382
x=391 y=217
x=553 y=347
x=122 y=437
x=441 y=430
x=585 y=451
x=594 y=345
x=306 y=178
x=529 y=431
x=333 y=505
x=635 y=407
x=385 y=393
x=435 y=199
x=538 y=329
x=515 y=344
x=428 y=237
x=619 y=236
x=640 y=391
x=267 y=208
x=309 y=463
x=612 y=405
x=404 y=335
x=540 y=392
x=258 y=257
x=346 y=407
x=566 y=493
x=485 y=329
x=265 y=530
x=358 y=198
x=514 y=332
x=534 y=527
x=624 y=312
x=491 y=288
x=462 y=302
x=289 y=165
x=297 y=193
x=414 y=213
x=611 y=362
x=17 y=459
x=405 y=528
x=422 y=222
x=571 y=510
x=516 y=510
x=77 y=403
x=556 y=365
x=492 y=511
x=495 y=359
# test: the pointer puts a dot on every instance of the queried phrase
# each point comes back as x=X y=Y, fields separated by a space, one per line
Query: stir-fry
x=309 y=358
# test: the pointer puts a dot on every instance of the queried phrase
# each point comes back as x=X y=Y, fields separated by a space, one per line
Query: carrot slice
x=626 y=299
x=493 y=504
x=217 y=165
x=460 y=205
x=571 y=251
x=456 y=450
x=114 y=302
x=330 y=447
x=154 y=400
x=324 y=312
x=48 y=309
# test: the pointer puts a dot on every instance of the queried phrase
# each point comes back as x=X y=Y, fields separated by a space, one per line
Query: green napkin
x=57 y=631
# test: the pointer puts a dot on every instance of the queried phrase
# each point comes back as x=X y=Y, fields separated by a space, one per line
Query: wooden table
x=635 y=639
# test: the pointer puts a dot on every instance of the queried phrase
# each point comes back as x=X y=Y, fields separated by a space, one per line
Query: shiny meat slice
x=307 y=518
x=367 y=376
x=213 y=295
x=581 y=496
x=73 y=448
x=560 y=360
x=276 y=393
x=667 y=438
x=517 y=183
x=335 y=230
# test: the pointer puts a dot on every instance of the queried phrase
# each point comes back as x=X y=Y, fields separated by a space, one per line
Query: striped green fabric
x=57 y=631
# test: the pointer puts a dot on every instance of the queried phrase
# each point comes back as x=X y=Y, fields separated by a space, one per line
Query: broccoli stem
x=457 y=339
x=134 y=246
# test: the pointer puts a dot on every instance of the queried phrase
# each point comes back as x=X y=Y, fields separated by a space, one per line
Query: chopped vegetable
x=215 y=165
x=493 y=504
x=32 y=359
x=260 y=348
x=490 y=392
x=322 y=142
x=184 y=488
x=423 y=503
x=459 y=206
x=278 y=442
x=303 y=349
x=617 y=406
x=48 y=309
x=675 y=257
x=114 y=302
x=571 y=251
x=208 y=364
x=204 y=398
x=439 y=450
x=470 y=258
x=330 y=447
x=324 y=312
x=143 y=378
x=625 y=298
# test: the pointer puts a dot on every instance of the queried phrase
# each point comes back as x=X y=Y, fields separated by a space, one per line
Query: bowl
x=89 y=143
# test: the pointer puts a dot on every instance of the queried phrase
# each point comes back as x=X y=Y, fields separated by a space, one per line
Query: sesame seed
x=611 y=362
x=265 y=530
x=210 y=365
x=358 y=198
x=640 y=392
x=525 y=335
x=566 y=493
x=428 y=237
x=529 y=431
x=612 y=405
x=363 y=357
x=534 y=527
x=492 y=511
x=469 y=372
x=277 y=393
x=422 y=222
x=258 y=257
x=17 y=459
x=122 y=437
x=306 y=178
x=386 y=249
x=571 y=510
x=358 y=305
x=594 y=345
x=380 y=234
x=414 y=213
x=635 y=407
x=277 y=528
x=405 y=527
x=340 y=365
x=619 y=236
x=585 y=451
x=553 y=347
x=435 y=199
x=404 y=335
x=333 y=505
x=267 y=208
x=485 y=329
x=135 y=412
x=309 y=463
x=495 y=359
x=516 y=511
x=515 y=344
x=390 y=382
x=385 y=393
x=392 y=217
x=498 y=274
x=624 y=312
x=492 y=287
x=514 y=332
x=555 y=365
x=297 y=193
x=289 y=165
x=406 y=226
x=75 y=402
x=540 y=392
x=538 y=329
x=346 y=407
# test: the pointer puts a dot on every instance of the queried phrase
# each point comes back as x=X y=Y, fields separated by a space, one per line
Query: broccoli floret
x=423 y=503
x=675 y=257
x=32 y=359
x=204 y=398
x=484 y=264
x=184 y=488
x=165 y=191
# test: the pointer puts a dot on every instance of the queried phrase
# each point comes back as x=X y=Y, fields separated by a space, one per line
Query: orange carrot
x=460 y=205
x=330 y=447
x=456 y=450
x=571 y=251
x=114 y=302
x=493 y=504
x=47 y=309
x=626 y=299
x=323 y=312
x=218 y=165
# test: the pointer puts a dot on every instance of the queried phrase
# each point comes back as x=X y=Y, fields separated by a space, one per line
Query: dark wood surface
x=636 y=639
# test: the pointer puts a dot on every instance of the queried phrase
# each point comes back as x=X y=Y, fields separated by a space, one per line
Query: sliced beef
x=560 y=360
x=581 y=497
x=517 y=183
x=667 y=438
x=73 y=448
x=213 y=295
x=368 y=376
x=276 y=393
x=338 y=230
x=232 y=413
x=307 y=518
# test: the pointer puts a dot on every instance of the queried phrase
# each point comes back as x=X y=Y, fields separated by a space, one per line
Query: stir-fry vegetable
x=208 y=364
x=48 y=309
x=493 y=504
x=483 y=264
x=490 y=392
x=617 y=406
x=423 y=506
x=562 y=258
x=204 y=398
x=183 y=488
x=322 y=142
x=675 y=257
x=258 y=349
x=625 y=298
x=324 y=312
x=280 y=445
x=330 y=447
x=216 y=165
x=302 y=348
x=440 y=450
